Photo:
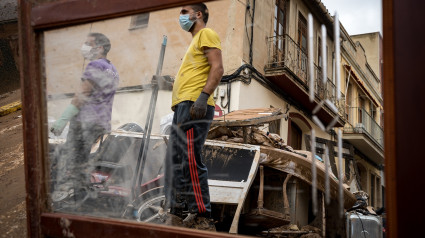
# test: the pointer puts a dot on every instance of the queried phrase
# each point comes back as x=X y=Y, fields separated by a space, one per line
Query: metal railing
x=360 y=121
x=331 y=95
x=284 y=53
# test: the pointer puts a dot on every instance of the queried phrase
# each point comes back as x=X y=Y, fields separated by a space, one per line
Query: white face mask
x=185 y=22
x=86 y=51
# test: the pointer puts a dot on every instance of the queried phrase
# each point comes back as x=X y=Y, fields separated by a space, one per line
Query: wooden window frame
x=280 y=42
x=281 y=6
x=302 y=31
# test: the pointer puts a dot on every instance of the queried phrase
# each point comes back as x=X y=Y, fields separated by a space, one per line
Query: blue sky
x=357 y=16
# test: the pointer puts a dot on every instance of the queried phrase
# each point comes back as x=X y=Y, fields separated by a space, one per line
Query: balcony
x=287 y=68
x=364 y=133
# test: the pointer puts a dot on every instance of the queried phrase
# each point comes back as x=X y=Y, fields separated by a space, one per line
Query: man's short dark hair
x=101 y=40
x=201 y=7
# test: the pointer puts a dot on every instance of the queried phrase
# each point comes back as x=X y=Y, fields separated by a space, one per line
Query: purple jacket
x=98 y=106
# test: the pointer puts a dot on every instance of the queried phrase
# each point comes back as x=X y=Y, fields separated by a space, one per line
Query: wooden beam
x=66 y=13
x=248 y=122
x=404 y=115
x=66 y=225
x=32 y=118
x=389 y=121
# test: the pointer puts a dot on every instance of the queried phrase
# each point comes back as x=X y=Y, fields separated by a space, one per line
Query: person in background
x=89 y=113
x=186 y=176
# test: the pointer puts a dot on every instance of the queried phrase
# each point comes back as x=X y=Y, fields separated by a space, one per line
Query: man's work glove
x=199 y=108
x=60 y=124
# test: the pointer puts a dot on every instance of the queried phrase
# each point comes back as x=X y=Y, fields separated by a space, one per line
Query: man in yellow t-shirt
x=186 y=176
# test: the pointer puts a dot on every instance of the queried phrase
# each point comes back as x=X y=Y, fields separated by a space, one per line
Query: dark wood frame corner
x=389 y=119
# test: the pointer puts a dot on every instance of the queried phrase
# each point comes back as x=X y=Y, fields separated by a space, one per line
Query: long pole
x=148 y=126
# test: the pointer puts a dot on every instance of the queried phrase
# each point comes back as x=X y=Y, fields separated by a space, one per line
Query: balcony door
x=279 y=29
x=296 y=136
x=302 y=46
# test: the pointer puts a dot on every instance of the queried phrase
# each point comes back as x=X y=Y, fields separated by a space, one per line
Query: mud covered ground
x=12 y=178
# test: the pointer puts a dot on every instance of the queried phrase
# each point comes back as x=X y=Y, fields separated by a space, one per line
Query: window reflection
x=99 y=106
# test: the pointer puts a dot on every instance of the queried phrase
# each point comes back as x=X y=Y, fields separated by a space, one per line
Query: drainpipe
x=252 y=33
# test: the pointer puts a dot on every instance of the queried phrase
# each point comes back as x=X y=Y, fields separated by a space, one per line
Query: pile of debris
x=292 y=230
x=242 y=126
x=255 y=136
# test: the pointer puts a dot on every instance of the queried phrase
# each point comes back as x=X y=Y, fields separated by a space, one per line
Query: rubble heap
x=255 y=136
x=292 y=230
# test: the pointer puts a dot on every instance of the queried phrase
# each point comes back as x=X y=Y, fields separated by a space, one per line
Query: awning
x=362 y=85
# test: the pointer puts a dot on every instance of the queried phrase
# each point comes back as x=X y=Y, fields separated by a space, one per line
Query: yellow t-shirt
x=194 y=70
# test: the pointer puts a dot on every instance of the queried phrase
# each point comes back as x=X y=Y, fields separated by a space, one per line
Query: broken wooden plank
x=249 y=117
x=247 y=122
x=300 y=167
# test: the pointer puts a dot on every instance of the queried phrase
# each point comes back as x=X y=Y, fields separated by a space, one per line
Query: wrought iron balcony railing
x=360 y=121
x=284 y=53
x=330 y=93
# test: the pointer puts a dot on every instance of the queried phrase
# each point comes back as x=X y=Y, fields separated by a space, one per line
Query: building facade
x=362 y=63
x=265 y=57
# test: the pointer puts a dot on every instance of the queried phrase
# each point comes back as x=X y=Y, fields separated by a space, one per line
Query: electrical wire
x=235 y=76
x=228 y=97
x=246 y=26
x=252 y=33
x=250 y=39
x=261 y=79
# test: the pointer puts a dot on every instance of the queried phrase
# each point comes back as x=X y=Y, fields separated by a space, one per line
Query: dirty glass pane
x=100 y=89
x=110 y=121
x=117 y=148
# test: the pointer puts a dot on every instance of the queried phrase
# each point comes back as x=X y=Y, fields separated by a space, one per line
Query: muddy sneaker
x=203 y=223
x=190 y=220
x=200 y=223
x=173 y=220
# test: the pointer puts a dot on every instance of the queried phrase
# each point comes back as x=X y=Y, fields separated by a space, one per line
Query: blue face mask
x=185 y=22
